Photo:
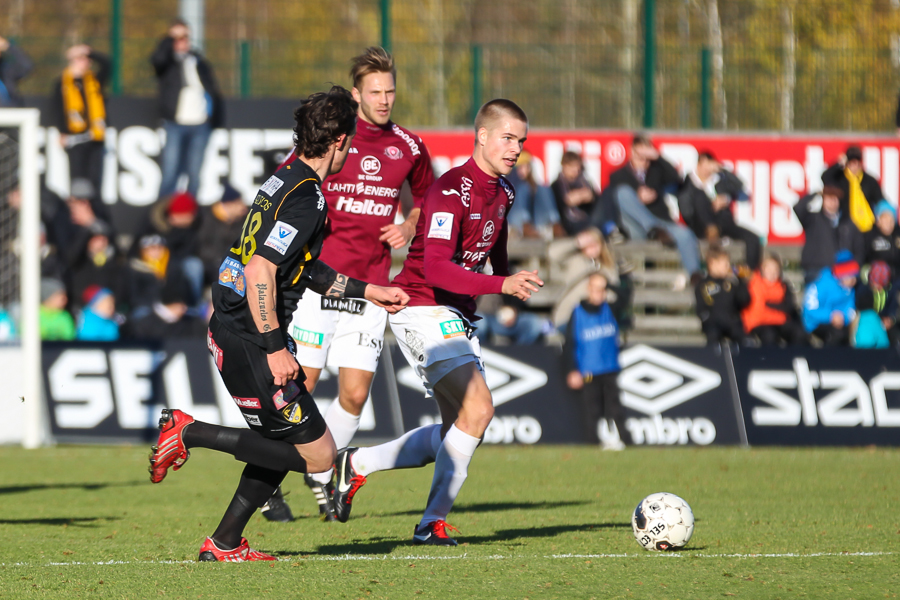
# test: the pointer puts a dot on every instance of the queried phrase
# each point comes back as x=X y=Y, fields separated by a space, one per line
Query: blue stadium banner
x=820 y=397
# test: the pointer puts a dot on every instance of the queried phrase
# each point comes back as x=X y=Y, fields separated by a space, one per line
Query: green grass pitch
x=534 y=522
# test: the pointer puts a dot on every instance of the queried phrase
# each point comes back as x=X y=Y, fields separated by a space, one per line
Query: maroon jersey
x=463 y=222
x=365 y=196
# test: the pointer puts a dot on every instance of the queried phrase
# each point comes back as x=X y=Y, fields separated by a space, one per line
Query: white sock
x=450 y=470
x=343 y=427
x=414 y=448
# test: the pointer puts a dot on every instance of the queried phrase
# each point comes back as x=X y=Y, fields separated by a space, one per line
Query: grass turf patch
x=535 y=522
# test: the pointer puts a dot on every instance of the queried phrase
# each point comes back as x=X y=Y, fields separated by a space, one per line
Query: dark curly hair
x=322 y=119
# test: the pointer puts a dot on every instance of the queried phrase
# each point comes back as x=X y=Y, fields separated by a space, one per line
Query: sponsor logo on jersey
x=416 y=344
x=488 y=231
x=393 y=152
x=321 y=203
x=262 y=202
x=231 y=275
x=413 y=145
x=348 y=305
x=452 y=329
x=285 y=395
x=293 y=413
x=441 y=225
x=312 y=339
x=363 y=189
x=367 y=340
x=501 y=211
x=370 y=165
x=282 y=235
x=353 y=150
x=252 y=419
x=508 y=189
x=271 y=185
x=247 y=402
x=364 y=207
x=475 y=216
x=214 y=350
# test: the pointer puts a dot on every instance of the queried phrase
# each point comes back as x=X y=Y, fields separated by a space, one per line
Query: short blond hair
x=374 y=59
x=497 y=109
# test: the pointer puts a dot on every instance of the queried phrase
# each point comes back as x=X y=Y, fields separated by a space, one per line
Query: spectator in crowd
x=190 y=104
x=509 y=320
x=829 y=303
x=78 y=111
x=94 y=262
x=177 y=220
x=827 y=231
x=876 y=306
x=15 y=66
x=220 y=226
x=591 y=358
x=534 y=214
x=578 y=204
x=169 y=317
x=720 y=298
x=573 y=259
x=705 y=202
x=772 y=314
x=55 y=322
x=859 y=190
x=639 y=188
x=97 y=322
x=147 y=274
x=882 y=242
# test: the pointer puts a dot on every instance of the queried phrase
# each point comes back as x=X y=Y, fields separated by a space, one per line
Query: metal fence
x=771 y=65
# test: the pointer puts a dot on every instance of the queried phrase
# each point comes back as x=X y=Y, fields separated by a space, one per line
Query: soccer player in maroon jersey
x=463 y=223
x=363 y=201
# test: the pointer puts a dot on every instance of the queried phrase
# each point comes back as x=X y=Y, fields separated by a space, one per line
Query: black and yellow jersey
x=286 y=226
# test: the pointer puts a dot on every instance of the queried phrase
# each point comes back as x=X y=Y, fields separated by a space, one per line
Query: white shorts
x=435 y=340
x=340 y=333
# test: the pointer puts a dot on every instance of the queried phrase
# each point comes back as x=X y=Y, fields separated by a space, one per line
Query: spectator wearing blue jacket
x=829 y=303
x=592 y=363
x=97 y=321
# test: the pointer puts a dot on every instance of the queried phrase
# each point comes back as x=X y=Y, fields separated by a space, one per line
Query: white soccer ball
x=662 y=521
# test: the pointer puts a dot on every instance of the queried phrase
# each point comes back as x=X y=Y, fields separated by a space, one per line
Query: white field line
x=352 y=557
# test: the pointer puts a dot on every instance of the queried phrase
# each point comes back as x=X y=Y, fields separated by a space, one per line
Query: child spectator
x=146 y=274
x=55 y=322
x=829 y=303
x=877 y=294
x=772 y=313
x=720 y=297
x=882 y=242
x=177 y=220
x=97 y=320
x=592 y=363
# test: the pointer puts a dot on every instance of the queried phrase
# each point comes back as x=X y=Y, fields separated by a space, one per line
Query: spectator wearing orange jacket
x=772 y=313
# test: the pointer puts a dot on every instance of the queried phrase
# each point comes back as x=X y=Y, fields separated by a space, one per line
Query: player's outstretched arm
x=260 y=276
x=522 y=284
x=331 y=284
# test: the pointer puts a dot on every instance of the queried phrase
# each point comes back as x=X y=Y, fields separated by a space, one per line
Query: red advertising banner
x=777 y=170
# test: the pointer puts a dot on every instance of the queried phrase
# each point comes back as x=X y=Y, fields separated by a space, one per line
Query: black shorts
x=286 y=413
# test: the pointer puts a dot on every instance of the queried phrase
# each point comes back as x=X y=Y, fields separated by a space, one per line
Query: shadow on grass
x=383 y=545
x=32 y=487
x=483 y=507
x=67 y=521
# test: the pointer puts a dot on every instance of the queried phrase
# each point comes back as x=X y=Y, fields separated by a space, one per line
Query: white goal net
x=21 y=400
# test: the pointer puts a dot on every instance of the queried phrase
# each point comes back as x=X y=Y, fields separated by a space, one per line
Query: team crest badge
x=502 y=211
x=393 y=152
x=292 y=413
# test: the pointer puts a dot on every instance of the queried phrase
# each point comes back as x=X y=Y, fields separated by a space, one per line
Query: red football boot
x=209 y=552
x=169 y=451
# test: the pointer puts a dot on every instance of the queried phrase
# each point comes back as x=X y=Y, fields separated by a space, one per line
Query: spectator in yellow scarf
x=78 y=111
x=860 y=190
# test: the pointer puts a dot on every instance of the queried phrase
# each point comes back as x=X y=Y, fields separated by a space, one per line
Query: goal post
x=20 y=127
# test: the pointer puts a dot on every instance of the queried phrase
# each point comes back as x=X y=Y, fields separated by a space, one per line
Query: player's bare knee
x=353 y=400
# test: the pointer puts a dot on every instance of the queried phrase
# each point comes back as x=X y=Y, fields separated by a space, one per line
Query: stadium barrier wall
x=776 y=169
x=112 y=393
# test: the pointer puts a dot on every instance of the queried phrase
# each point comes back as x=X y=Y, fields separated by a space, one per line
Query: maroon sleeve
x=421 y=176
x=499 y=253
x=440 y=270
